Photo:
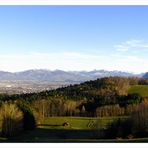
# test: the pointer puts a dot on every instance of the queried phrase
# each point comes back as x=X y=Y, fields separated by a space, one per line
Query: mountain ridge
x=61 y=75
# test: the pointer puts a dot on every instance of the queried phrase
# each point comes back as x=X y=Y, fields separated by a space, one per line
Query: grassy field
x=140 y=89
x=80 y=129
x=51 y=130
x=83 y=123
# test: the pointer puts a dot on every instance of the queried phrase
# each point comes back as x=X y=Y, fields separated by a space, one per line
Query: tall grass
x=12 y=119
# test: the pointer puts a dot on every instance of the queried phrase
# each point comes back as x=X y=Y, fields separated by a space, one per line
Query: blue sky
x=74 y=38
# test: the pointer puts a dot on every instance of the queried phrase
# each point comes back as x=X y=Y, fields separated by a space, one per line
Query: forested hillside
x=88 y=97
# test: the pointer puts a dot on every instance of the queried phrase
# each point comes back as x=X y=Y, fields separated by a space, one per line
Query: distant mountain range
x=62 y=76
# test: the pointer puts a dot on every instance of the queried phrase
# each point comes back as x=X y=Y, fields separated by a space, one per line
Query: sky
x=74 y=38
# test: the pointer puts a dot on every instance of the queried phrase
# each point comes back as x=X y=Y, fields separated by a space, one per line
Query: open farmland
x=79 y=130
x=83 y=123
x=51 y=130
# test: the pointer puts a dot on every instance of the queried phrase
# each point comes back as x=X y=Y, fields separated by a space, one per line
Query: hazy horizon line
x=46 y=69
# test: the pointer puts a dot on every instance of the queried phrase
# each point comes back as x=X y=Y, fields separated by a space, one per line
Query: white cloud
x=132 y=45
x=72 y=61
x=131 y=63
x=132 y=56
x=65 y=61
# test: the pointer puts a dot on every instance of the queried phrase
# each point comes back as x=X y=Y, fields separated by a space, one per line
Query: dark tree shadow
x=48 y=125
x=53 y=135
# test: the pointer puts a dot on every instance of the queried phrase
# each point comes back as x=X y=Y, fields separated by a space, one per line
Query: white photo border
x=74 y=2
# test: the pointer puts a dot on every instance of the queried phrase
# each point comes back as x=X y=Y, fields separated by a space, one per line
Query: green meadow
x=140 y=89
x=52 y=130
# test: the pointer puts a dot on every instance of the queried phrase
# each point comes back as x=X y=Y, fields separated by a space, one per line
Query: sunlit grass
x=83 y=123
x=140 y=89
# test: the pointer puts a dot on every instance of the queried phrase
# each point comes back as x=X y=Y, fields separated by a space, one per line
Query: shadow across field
x=53 y=135
x=48 y=125
x=65 y=136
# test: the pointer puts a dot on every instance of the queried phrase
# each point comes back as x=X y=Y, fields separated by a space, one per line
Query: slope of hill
x=139 y=89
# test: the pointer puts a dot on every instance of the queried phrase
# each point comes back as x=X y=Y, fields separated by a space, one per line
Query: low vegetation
x=12 y=119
